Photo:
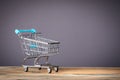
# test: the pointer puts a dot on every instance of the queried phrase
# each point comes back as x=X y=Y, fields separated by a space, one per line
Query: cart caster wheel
x=26 y=69
x=49 y=70
x=56 y=69
x=39 y=68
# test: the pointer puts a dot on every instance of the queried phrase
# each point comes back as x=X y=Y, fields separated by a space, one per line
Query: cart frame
x=34 y=46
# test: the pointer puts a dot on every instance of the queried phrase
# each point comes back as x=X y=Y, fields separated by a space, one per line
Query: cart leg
x=36 y=61
x=25 y=60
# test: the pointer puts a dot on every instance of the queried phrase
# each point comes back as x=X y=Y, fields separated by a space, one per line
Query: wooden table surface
x=65 y=73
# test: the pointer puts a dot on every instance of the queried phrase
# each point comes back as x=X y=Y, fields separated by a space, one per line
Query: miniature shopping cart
x=35 y=47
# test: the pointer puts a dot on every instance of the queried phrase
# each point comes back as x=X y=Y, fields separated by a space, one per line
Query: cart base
x=49 y=67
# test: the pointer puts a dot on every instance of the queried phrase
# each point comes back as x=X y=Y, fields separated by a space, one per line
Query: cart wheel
x=26 y=69
x=49 y=70
x=56 y=69
x=39 y=68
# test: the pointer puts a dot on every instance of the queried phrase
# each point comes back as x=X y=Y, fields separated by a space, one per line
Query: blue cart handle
x=25 y=30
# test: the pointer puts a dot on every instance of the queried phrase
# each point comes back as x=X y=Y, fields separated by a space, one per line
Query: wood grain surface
x=65 y=73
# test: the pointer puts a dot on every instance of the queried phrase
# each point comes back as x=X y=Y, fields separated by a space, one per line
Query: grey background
x=89 y=30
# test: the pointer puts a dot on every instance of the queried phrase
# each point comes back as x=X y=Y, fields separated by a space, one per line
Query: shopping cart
x=35 y=47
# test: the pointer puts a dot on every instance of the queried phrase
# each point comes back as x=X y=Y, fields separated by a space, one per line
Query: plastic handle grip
x=23 y=31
